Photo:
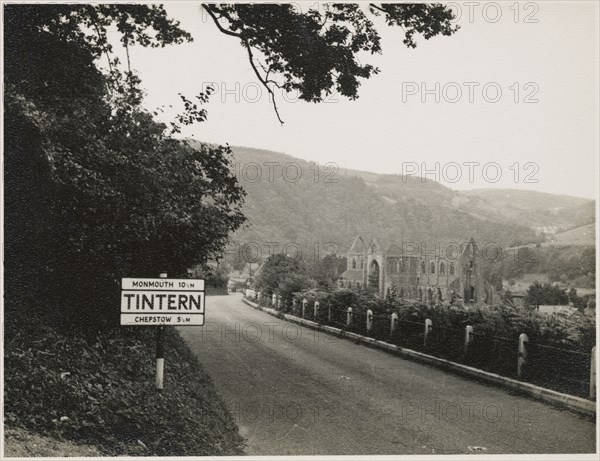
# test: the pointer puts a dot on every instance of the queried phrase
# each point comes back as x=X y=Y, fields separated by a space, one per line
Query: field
x=583 y=235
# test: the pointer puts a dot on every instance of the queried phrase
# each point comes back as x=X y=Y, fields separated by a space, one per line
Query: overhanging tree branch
x=291 y=50
x=377 y=7
x=219 y=26
x=263 y=80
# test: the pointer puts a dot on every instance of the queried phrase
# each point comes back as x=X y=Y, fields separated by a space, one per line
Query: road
x=295 y=391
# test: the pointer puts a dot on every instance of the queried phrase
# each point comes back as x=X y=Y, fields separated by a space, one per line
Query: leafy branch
x=263 y=80
x=315 y=53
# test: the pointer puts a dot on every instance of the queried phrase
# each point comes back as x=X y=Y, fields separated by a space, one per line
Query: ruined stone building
x=437 y=271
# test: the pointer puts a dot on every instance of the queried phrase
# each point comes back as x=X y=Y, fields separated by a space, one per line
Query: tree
x=283 y=275
x=95 y=188
x=545 y=294
x=326 y=271
x=316 y=52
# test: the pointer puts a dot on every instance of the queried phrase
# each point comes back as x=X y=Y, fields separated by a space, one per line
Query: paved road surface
x=294 y=391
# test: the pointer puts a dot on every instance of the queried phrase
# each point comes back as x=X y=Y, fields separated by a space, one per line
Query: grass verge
x=100 y=392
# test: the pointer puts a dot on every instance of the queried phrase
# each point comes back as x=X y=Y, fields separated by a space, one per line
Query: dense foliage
x=546 y=294
x=285 y=274
x=95 y=189
x=498 y=320
x=282 y=274
x=100 y=392
x=326 y=271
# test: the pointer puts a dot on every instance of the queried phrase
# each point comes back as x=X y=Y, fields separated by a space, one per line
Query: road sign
x=162 y=301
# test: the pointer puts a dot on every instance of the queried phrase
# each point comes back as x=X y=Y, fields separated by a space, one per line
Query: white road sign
x=162 y=301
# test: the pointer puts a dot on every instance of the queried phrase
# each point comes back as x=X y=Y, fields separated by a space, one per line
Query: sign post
x=162 y=301
x=160 y=352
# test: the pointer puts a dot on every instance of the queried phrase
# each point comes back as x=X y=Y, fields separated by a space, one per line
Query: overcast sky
x=548 y=54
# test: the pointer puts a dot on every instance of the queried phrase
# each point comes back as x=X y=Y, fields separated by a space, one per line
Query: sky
x=510 y=101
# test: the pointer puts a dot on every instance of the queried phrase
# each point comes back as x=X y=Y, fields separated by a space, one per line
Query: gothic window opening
x=470 y=294
x=374 y=275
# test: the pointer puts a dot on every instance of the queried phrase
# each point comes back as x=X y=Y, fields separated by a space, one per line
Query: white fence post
x=428 y=328
x=304 y=302
x=369 y=320
x=394 y=323
x=468 y=337
x=315 y=310
x=349 y=317
x=274 y=300
x=593 y=375
x=522 y=354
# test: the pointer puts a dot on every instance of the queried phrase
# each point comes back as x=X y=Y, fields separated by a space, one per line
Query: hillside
x=575 y=264
x=581 y=235
x=538 y=209
x=290 y=201
x=315 y=209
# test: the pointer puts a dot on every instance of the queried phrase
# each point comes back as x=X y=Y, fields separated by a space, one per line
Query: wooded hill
x=314 y=209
